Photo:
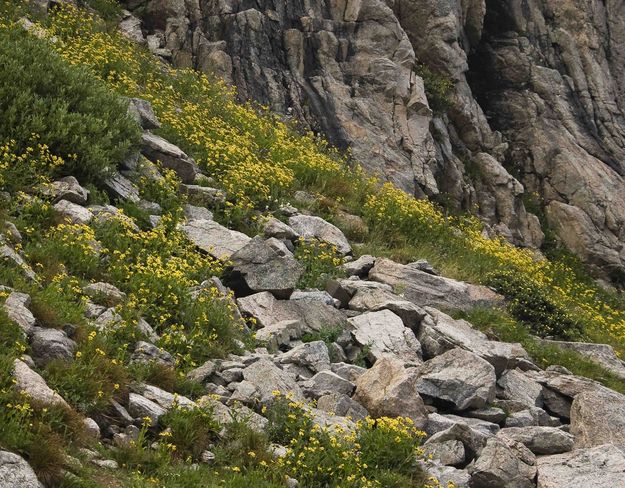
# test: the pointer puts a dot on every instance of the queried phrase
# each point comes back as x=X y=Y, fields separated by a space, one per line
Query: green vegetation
x=437 y=88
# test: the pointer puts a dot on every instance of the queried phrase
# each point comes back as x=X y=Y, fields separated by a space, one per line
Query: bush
x=530 y=303
x=70 y=111
x=320 y=261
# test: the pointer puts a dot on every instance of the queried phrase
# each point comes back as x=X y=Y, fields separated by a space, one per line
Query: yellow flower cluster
x=31 y=166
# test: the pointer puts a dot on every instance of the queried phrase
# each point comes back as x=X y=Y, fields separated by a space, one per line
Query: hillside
x=200 y=291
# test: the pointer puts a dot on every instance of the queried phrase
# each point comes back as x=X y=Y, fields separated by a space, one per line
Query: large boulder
x=312 y=315
x=439 y=333
x=425 y=289
x=50 y=344
x=16 y=307
x=515 y=385
x=259 y=266
x=596 y=467
x=457 y=379
x=312 y=355
x=389 y=389
x=72 y=213
x=33 y=385
x=312 y=227
x=377 y=299
x=156 y=148
x=540 y=440
x=215 y=239
x=499 y=466
x=15 y=472
x=598 y=417
x=384 y=333
x=68 y=189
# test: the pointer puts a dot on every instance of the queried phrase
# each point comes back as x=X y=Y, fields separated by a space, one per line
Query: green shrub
x=531 y=304
x=68 y=109
x=190 y=430
x=327 y=334
x=320 y=261
x=437 y=88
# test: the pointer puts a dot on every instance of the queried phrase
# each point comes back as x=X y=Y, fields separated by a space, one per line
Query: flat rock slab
x=598 y=467
x=215 y=239
x=424 y=289
x=540 y=440
x=598 y=417
x=310 y=226
x=156 y=148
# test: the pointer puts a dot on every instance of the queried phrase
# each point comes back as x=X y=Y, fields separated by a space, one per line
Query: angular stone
x=34 y=385
x=326 y=382
x=68 y=212
x=140 y=407
x=459 y=379
x=490 y=414
x=342 y=405
x=446 y=475
x=385 y=333
x=203 y=195
x=472 y=440
x=312 y=315
x=15 y=260
x=315 y=296
x=344 y=289
x=68 y=189
x=515 y=385
x=16 y=307
x=437 y=423
x=120 y=187
x=141 y=110
x=312 y=355
x=258 y=267
x=389 y=389
x=192 y=212
x=439 y=333
x=280 y=334
x=214 y=238
x=449 y=453
x=146 y=353
x=309 y=226
x=278 y=229
x=50 y=344
x=540 y=440
x=130 y=27
x=104 y=293
x=499 y=466
x=598 y=417
x=377 y=299
x=359 y=267
x=268 y=378
x=424 y=289
x=598 y=467
x=156 y=148
x=350 y=372
x=532 y=416
x=16 y=472
x=164 y=398
x=601 y=354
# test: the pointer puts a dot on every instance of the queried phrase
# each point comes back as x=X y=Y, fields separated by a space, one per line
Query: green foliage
x=533 y=306
x=438 y=88
x=191 y=430
x=68 y=109
x=327 y=334
x=320 y=261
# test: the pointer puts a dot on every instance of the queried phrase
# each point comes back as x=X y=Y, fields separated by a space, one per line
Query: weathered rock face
x=535 y=100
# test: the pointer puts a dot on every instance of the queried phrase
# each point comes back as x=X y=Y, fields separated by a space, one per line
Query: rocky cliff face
x=536 y=94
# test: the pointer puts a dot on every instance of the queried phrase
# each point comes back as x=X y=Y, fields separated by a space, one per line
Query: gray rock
x=280 y=334
x=596 y=467
x=267 y=378
x=50 y=344
x=449 y=452
x=16 y=472
x=130 y=27
x=104 y=293
x=68 y=212
x=437 y=423
x=258 y=267
x=473 y=440
x=598 y=417
x=203 y=195
x=278 y=229
x=312 y=355
x=350 y=372
x=445 y=474
x=192 y=212
x=499 y=466
x=490 y=414
x=359 y=267
x=214 y=238
x=384 y=333
x=146 y=352
x=245 y=393
x=377 y=299
x=106 y=463
x=156 y=148
x=9 y=256
x=325 y=383
x=309 y=227
x=342 y=405
x=34 y=385
x=540 y=440
x=458 y=378
x=515 y=385
x=67 y=189
x=91 y=428
x=424 y=289
x=312 y=315
x=389 y=389
x=140 y=407
x=315 y=296
x=202 y=373
x=16 y=307
x=344 y=289
x=141 y=110
x=439 y=333
x=532 y=416
x=164 y=398
x=120 y=187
